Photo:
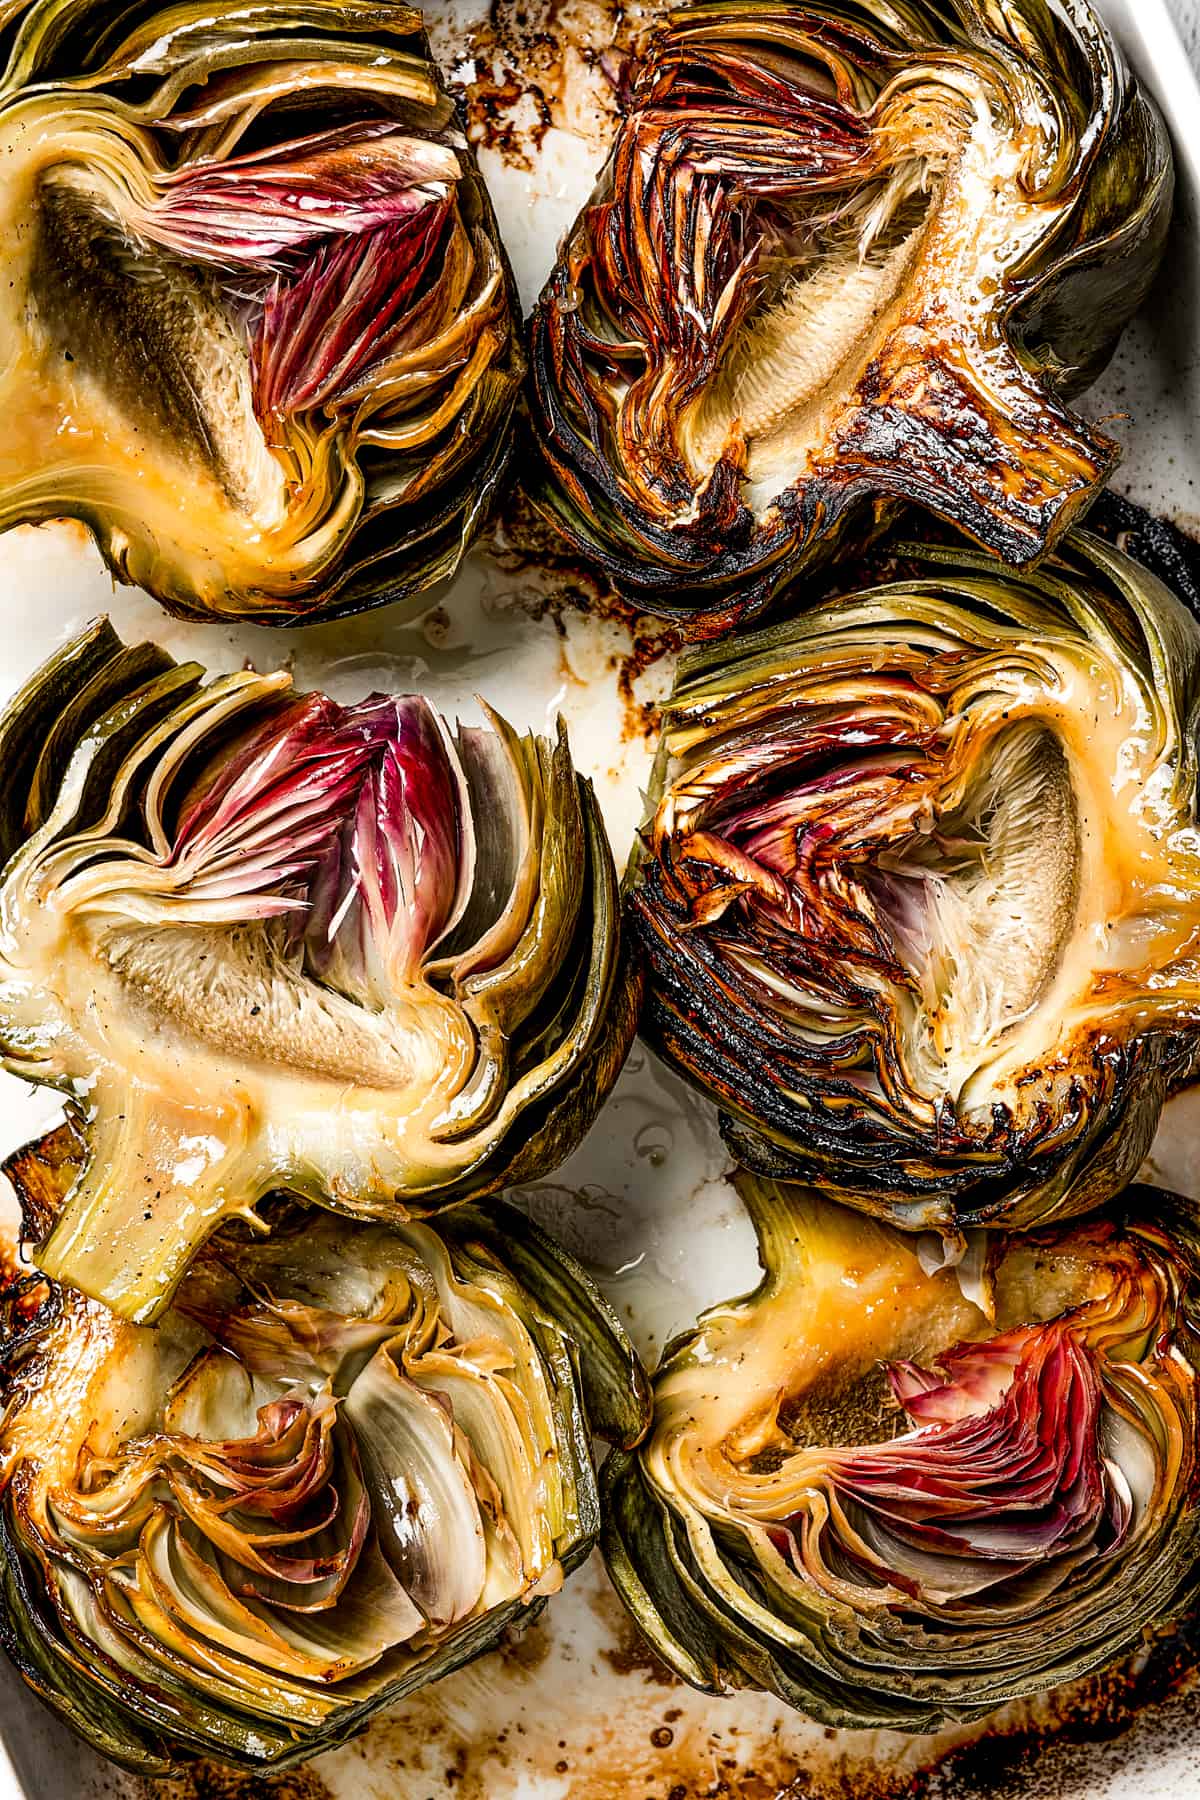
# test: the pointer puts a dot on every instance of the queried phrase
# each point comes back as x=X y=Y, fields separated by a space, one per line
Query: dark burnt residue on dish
x=209 y=1781
x=530 y=65
x=658 y=1758
x=558 y=584
x=1157 y=1693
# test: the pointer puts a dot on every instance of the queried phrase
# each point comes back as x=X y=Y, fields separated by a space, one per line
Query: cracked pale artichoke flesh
x=843 y=256
x=261 y=940
x=259 y=327
x=344 y=1462
x=899 y=1493
x=919 y=905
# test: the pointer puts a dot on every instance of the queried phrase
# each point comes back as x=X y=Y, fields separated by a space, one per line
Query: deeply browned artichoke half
x=344 y=1461
x=843 y=255
x=259 y=326
x=921 y=903
x=263 y=940
x=900 y=1494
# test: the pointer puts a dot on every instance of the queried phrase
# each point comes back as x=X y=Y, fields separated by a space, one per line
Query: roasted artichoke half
x=259 y=327
x=899 y=1494
x=843 y=256
x=920 y=903
x=261 y=939
x=342 y=1464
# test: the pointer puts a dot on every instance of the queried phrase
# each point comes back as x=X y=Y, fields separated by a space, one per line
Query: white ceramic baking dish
x=573 y=1711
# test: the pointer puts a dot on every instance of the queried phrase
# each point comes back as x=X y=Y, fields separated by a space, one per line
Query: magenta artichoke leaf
x=841 y=258
x=901 y=1498
x=918 y=900
x=264 y=940
x=344 y=1461
x=258 y=299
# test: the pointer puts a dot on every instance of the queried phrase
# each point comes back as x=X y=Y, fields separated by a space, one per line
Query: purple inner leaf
x=1004 y=1469
x=333 y=243
x=350 y=819
x=323 y=328
x=256 y=211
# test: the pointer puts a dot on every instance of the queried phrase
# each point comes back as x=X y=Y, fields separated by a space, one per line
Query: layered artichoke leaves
x=899 y=1493
x=262 y=940
x=843 y=257
x=918 y=904
x=343 y=1463
x=259 y=325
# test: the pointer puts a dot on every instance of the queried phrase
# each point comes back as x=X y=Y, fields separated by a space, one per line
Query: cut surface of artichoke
x=919 y=908
x=260 y=335
x=842 y=257
x=342 y=1463
x=901 y=1494
x=260 y=939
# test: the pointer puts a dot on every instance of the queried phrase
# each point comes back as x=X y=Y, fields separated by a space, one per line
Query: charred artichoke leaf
x=264 y=940
x=842 y=257
x=900 y=1494
x=262 y=328
x=342 y=1463
x=918 y=902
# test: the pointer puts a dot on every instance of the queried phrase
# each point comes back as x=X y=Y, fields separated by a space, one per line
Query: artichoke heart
x=843 y=257
x=341 y=1465
x=259 y=326
x=264 y=940
x=899 y=1493
x=920 y=900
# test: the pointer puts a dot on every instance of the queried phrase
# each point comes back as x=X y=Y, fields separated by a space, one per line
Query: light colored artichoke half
x=261 y=940
x=921 y=898
x=341 y=1465
x=843 y=256
x=899 y=1494
x=259 y=327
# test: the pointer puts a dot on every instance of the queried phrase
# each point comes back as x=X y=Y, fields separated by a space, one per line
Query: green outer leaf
x=59 y=704
x=615 y=1387
x=634 y=1554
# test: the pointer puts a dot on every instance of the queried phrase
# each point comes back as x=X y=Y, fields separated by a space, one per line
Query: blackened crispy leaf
x=918 y=904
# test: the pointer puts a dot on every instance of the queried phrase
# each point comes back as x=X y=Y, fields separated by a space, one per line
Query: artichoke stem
x=183 y=1163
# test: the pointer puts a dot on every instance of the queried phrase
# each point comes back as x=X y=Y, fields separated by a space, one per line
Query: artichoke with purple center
x=260 y=329
x=263 y=940
x=920 y=903
x=900 y=1494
